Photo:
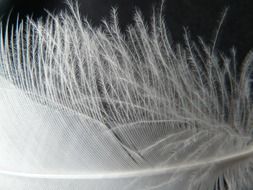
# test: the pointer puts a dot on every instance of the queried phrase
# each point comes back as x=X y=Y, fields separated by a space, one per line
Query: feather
x=94 y=108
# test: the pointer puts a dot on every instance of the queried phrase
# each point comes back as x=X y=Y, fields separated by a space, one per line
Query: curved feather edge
x=230 y=159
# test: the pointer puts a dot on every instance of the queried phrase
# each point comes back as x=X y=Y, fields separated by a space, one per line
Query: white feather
x=92 y=108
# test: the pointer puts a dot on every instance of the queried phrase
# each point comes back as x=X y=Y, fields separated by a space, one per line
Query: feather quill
x=93 y=108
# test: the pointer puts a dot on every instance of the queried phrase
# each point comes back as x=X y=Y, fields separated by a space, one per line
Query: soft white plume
x=92 y=108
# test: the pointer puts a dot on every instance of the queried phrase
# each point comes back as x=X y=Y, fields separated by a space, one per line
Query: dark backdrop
x=200 y=16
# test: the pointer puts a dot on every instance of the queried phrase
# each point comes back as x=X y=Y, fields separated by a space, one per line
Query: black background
x=201 y=17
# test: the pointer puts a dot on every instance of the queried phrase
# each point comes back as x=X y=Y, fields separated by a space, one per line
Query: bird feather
x=94 y=108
